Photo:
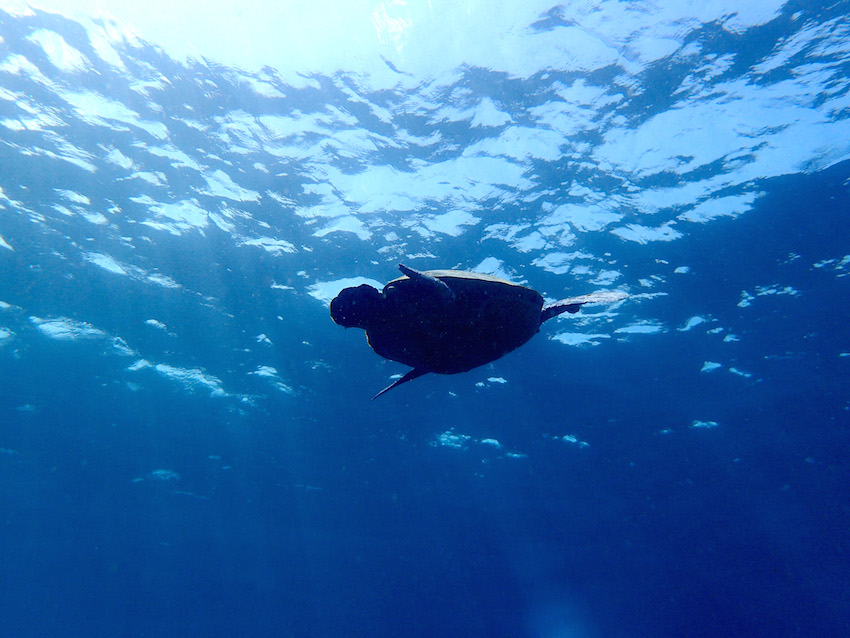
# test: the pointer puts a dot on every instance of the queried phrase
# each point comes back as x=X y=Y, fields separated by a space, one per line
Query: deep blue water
x=187 y=446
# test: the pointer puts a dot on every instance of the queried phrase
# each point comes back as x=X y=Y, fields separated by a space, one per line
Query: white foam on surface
x=580 y=338
x=66 y=329
x=453 y=223
x=642 y=327
x=272 y=375
x=162 y=280
x=220 y=184
x=704 y=425
x=452 y=440
x=106 y=262
x=643 y=234
x=274 y=246
x=741 y=373
x=574 y=440
x=102 y=111
x=59 y=52
x=693 y=322
x=175 y=218
x=192 y=378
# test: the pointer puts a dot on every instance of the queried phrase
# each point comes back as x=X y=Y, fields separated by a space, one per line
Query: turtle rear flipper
x=410 y=376
x=573 y=304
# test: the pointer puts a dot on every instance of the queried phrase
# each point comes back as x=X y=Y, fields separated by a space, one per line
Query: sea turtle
x=449 y=321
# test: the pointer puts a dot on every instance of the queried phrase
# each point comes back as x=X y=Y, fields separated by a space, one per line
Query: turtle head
x=356 y=307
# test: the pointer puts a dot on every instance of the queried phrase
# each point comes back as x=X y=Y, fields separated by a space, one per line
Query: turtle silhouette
x=449 y=321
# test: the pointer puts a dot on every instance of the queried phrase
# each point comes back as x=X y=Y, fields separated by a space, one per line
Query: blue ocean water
x=187 y=445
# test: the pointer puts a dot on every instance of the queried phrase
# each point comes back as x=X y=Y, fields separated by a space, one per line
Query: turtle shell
x=421 y=325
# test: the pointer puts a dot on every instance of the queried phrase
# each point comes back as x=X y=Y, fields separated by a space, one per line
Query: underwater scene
x=189 y=444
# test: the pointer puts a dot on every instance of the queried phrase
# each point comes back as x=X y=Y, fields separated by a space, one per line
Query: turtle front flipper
x=441 y=287
x=574 y=304
x=410 y=376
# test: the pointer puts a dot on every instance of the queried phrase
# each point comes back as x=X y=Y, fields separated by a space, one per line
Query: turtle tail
x=574 y=304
